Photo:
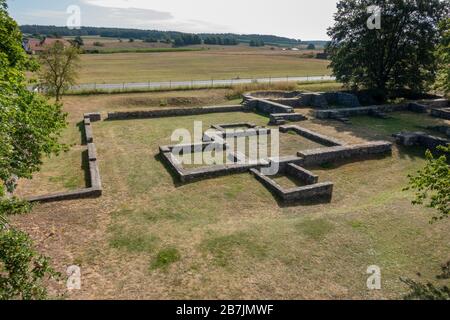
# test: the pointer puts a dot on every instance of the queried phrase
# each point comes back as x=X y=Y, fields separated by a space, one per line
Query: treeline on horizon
x=178 y=38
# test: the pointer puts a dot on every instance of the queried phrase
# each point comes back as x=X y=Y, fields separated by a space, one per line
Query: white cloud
x=300 y=19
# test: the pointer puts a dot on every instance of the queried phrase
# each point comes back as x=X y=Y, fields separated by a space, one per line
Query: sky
x=299 y=19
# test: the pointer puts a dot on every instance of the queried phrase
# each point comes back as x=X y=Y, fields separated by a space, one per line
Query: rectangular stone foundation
x=314 y=136
x=95 y=188
x=325 y=155
x=310 y=192
x=147 y=114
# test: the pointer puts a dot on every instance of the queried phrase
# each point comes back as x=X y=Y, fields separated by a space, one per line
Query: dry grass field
x=217 y=63
x=150 y=237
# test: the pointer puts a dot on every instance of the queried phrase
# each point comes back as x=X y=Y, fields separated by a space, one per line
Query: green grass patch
x=134 y=241
x=398 y=121
x=357 y=225
x=316 y=229
x=165 y=258
x=226 y=249
x=69 y=182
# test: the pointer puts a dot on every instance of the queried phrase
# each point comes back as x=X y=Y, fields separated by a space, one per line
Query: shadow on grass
x=82 y=131
x=85 y=168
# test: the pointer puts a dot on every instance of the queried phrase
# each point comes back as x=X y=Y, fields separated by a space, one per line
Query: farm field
x=150 y=237
x=217 y=63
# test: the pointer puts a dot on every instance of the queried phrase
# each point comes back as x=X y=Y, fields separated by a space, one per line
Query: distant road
x=194 y=83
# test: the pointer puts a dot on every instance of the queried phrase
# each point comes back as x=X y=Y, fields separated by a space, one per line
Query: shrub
x=22 y=269
x=165 y=258
x=14 y=206
x=428 y=291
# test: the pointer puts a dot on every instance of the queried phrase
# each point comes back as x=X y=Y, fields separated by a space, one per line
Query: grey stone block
x=88 y=133
x=416 y=107
x=301 y=174
x=421 y=139
x=92 y=152
x=93 y=116
x=325 y=155
x=441 y=113
x=95 y=185
x=172 y=112
x=310 y=192
x=348 y=112
x=64 y=196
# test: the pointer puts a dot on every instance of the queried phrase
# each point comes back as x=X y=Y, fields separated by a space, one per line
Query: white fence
x=192 y=83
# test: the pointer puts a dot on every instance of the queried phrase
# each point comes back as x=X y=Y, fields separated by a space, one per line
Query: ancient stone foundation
x=441 y=113
x=311 y=190
x=172 y=112
x=430 y=142
x=292 y=166
x=94 y=189
x=333 y=154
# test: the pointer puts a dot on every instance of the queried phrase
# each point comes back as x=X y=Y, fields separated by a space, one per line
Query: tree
x=78 y=42
x=29 y=125
x=311 y=46
x=29 y=128
x=59 y=70
x=443 y=56
x=398 y=55
x=432 y=183
x=22 y=269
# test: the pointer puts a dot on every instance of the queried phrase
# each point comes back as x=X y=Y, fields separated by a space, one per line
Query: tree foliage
x=428 y=291
x=224 y=41
x=78 y=42
x=22 y=269
x=29 y=125
x=432 y=184
x=163 y=36
x=443 y=56
x=398 y=55
x=60 y=65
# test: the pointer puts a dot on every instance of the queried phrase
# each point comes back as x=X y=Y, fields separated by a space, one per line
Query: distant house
x=35 y=46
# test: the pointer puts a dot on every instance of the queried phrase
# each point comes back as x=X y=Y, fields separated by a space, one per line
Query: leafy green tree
x=29 y=128
x=398 y=55
x=311 y=46
x=443 y=56
x=59 y=71
x=22 y=269
x=29 y=125
x=428 y=291
x=78 y=42
x=432 y=184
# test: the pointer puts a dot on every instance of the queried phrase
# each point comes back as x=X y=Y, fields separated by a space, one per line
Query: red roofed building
x=34 y=46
